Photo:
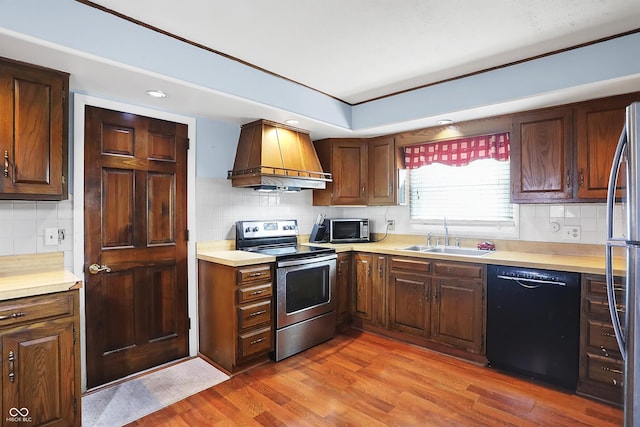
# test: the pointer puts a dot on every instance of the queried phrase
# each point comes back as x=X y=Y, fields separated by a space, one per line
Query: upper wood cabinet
x=382 y=177
x=565 y=154
x=33 y=132
x=363 y=171
x=346 y=160
x=541 y=156
x=599 y=124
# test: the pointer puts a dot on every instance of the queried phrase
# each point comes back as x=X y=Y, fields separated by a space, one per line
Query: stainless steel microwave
x=346 y=230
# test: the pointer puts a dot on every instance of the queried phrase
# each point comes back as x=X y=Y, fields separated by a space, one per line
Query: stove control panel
x=275 y=228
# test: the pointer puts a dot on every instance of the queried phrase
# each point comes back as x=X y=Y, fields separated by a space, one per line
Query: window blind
x=479 y=191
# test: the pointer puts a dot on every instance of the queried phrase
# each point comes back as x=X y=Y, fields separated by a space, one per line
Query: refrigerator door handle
x=611 y=242
x=613 y=179
x=611 y=295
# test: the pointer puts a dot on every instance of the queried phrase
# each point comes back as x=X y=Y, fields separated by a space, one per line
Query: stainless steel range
x=305 y=285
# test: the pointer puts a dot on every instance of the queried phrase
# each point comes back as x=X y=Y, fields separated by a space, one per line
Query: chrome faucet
x=446 y=232
x=429 y=236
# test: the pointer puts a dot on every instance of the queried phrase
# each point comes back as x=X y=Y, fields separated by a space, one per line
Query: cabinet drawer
x=254 y=314
x=254 y=273
x=605 y=370
x=411 y=264
x=253 y=343
x=252 y=293
x=459 y=270
x=30 y=309
x=600 y=308
x=601 y=336
x=598 y=286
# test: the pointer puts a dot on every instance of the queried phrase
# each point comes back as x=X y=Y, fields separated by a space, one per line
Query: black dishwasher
x=533 y=323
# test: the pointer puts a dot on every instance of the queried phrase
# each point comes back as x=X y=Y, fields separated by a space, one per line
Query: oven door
x=305 y=289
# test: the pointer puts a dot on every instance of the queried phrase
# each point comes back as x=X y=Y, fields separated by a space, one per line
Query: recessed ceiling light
x=445 y=121
x=292 y=122
x=156 y=93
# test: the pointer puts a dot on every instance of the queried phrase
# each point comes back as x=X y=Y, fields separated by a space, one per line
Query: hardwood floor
x=362 y=379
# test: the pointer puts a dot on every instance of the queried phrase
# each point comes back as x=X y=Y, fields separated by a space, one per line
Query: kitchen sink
x=447 y=250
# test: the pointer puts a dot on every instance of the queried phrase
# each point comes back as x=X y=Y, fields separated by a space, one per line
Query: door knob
x=95 y=269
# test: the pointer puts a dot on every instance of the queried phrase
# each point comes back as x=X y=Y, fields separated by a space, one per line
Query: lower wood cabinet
x=434 y=303
x=40 y=360
x=368 y=297
x=343 y=281
x=410 y=296
x=458 y=317
x=235 y=311
x=601 y=368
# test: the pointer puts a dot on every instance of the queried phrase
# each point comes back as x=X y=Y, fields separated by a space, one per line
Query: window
x=479 y=191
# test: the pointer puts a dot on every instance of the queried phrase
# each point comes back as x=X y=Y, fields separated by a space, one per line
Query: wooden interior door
x=135 y=232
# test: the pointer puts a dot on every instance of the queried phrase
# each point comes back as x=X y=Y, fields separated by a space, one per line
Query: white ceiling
x=352 y=50
x=356 y=50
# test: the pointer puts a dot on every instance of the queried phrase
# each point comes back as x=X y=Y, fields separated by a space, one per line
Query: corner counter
x=223 y=252
x=37 y=274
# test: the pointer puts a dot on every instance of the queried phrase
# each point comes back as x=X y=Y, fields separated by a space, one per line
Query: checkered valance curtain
x=458 y=152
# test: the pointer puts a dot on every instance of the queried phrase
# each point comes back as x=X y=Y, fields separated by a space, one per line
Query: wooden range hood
x=272 y=156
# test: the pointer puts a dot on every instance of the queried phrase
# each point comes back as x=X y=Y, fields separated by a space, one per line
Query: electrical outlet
x=391 y=223
x=571 y=232
x=51 y=236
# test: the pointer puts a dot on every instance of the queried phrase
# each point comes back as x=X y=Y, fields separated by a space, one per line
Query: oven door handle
x=303 y=261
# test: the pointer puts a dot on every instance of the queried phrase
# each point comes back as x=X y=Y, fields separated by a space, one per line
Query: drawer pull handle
x=605 y=308
x=12 y=358
x=257 y=313
x=607 y=369
x=257 y=341
x=6 y=164
x=255 y=274
x=13 y=316
x=256 y=292
x=607 y=334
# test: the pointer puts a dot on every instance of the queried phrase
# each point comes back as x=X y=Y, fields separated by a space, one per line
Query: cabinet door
x=349 y=162
x=541 y=156
x=382 y=171
x=33 y=132
x=409 y=303
x=38 y=373
x=343 y=280
x=457 y=313
x=598 y=127
x=379 y=297
x=362 y=295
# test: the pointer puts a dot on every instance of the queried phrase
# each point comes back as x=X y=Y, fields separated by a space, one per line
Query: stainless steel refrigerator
x=623 y=242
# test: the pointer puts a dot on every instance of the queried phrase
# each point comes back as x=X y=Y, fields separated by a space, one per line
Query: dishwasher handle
x=538 y=282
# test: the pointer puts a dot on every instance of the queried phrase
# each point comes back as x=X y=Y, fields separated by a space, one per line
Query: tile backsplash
x=218 y=205
x=23 y=224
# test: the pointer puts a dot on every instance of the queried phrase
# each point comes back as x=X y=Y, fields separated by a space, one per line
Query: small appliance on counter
x=318 y=234
x=346 y=230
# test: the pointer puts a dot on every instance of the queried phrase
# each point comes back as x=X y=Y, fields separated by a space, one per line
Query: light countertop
x=234 y=258
x=563 y=257
x=30 y=275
